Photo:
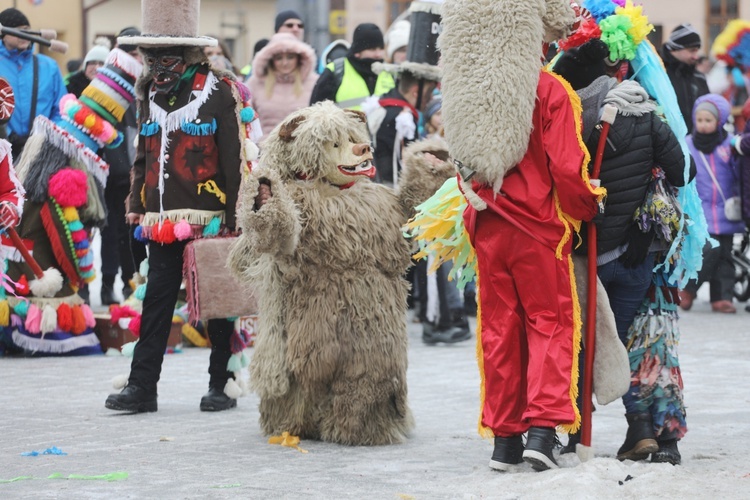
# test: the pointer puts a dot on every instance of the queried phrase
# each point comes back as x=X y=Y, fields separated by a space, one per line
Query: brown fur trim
x=286 y=132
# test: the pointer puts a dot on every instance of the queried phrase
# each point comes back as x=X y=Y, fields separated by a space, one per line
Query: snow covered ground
x=180 y=452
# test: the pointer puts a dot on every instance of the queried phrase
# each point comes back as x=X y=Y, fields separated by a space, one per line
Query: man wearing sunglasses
x=289 y=21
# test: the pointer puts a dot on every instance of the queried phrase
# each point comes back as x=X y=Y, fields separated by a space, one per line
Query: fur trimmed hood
x=280 y=43
x=491 y=65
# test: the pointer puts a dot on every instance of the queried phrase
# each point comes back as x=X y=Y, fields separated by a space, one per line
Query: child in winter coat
x=717 y=181
x=282 y=80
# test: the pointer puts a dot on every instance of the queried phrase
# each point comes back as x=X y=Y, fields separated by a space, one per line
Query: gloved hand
x=8 y=215
x=638 y=245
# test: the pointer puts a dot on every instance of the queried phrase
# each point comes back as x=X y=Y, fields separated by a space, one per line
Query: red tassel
x=22 y=286
x=135 y=325
x=64 y=318
x=79 y=321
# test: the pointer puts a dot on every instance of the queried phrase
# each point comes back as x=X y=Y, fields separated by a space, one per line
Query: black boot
x=573 y=440
x=108 y=290
x=668 y=453
x=639 y=440
x=470 y=303
x=539 y=445
x=132 y=399
x=508 y=452
x=216 y=400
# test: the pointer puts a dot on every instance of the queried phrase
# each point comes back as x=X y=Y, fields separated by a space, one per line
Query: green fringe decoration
x=127 y=349
x=22 y=308
x=615 y=33
x=235 y=363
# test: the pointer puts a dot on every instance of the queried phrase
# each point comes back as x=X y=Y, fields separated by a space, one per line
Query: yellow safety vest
x=353 y=90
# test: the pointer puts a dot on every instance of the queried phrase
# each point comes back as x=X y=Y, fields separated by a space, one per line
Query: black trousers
x=164 y=279
x=718 y=270
x=115 y=251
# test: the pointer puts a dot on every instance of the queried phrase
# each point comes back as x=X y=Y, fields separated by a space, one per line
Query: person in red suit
x=531 y=319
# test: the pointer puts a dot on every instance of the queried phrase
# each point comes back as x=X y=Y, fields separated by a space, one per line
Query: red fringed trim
x=58 y=247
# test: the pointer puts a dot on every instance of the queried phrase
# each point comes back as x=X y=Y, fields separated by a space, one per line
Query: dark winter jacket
x=385 y=138
x=689 y=84
x=635 y=145
x=77 y=82
x=202 y=168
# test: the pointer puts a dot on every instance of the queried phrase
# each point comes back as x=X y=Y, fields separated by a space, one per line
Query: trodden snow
x=182 y=453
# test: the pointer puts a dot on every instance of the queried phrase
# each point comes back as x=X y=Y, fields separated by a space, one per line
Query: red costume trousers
x=527 y=328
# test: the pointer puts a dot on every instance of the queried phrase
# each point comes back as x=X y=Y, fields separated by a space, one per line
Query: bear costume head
x=321 y=142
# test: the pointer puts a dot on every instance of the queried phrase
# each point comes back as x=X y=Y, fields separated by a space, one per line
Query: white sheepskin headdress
x=491 y=56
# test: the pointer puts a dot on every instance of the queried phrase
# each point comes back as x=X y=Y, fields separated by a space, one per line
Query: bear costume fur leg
x=326 y=256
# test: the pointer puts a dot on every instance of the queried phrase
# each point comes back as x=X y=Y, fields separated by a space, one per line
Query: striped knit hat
x=92 y=117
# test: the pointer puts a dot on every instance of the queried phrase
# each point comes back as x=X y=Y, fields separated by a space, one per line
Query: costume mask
x=166 y=65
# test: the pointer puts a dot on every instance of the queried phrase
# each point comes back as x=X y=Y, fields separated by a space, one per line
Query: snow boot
x=668 y=453
x=573 y=440
x=539 y=445
x=216 y=400
x=132 y=399
x=508 y=452
x=640 y=441
x=107 y=294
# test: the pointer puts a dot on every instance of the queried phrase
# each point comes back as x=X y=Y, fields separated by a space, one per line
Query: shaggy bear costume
x=327 y=257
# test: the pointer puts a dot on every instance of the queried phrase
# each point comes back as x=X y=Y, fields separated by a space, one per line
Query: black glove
x=638 y=245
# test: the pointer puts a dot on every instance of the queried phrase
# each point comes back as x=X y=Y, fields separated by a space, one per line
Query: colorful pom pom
x=79 y=236
x=183 y=230
x=163 y=233
x=79 y=322
x=143 y=268
x=138 y=234
x=135 y=325
x=140 y=292
x=64 y=318
x=22 y=286
x=33 y=320
x=88 y=316
x=22 y=308
x=212 y=228
x=4 y=313
x=49 y=320
x=70 y=214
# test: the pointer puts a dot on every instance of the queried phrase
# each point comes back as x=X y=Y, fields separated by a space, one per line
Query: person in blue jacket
x=35 y=79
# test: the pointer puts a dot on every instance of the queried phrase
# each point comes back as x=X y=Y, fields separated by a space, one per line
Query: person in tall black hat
x=680 y=54
x=350 y=80
x=185 y=186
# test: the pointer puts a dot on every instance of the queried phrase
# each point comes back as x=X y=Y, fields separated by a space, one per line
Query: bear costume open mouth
x=366 y=168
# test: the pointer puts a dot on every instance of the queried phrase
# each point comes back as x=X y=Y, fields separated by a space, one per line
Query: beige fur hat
x=169 y=23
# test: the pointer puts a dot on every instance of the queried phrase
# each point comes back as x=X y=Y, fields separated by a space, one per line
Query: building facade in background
x=242 y=22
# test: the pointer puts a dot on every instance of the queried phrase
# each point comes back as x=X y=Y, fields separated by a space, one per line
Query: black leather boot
x=668 y=452
x=640 y=441
x=573 y=440
x=507 y=453
x=539 y=445
x=216 y=400
x=132 y=399
x=108 y=290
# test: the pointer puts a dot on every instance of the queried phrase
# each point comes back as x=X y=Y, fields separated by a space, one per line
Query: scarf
x=707 y=143
x=630 y=99
x=592 y=100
